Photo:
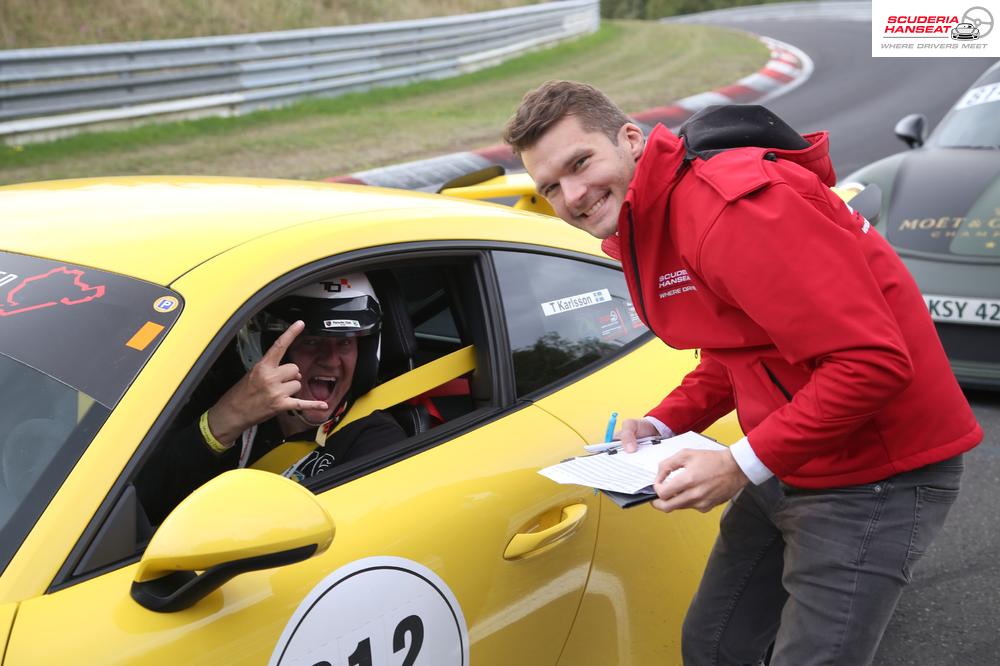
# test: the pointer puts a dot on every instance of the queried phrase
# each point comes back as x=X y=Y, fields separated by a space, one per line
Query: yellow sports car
x=507 y=339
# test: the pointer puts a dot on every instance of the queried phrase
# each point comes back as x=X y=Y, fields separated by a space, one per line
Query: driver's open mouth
x=322 y=388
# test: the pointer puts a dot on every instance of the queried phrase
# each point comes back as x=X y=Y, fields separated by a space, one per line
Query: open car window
x=433 y=344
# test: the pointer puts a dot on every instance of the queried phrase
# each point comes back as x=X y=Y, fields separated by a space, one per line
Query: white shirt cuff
x=660 y=426
x=749 y=462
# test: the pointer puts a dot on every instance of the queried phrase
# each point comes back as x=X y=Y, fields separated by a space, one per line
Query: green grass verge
x=638 y=64
x=159 y=133
x=39 y=23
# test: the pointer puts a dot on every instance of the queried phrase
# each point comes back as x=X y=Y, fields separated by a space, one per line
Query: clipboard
x=626 y=478
x=626 y=501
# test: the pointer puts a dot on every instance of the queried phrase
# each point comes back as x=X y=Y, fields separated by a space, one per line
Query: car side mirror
x=864 y=199
x=910 y=129
x=242 y=520
x=868 y=202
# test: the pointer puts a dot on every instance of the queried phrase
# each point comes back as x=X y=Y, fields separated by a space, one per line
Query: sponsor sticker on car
x=963 y=310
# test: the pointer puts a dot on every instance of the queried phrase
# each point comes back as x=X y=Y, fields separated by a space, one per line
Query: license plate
x=963 y=310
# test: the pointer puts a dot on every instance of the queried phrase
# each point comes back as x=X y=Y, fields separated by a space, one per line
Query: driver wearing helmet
x=306 y=357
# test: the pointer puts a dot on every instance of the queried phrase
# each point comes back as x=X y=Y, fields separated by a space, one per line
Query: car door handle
x=527 y=542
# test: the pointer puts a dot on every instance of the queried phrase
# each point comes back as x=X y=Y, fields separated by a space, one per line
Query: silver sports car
x=965 y=31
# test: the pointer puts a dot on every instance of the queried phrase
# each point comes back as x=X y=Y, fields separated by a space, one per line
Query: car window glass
x=39 y=418
x=72 y=340
x=562 y=315
x=972 y=120
x=91 y=329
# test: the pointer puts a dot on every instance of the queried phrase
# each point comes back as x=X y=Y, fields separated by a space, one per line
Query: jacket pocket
x=777 y=383
x=762 y=385
x=779 y=380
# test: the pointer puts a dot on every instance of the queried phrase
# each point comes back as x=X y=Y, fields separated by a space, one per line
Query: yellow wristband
x=206 y=434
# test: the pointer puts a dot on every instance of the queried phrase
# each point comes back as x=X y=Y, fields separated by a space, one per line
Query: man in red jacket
x=809 y=326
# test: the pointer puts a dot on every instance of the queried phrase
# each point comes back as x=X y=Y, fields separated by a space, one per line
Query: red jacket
x=808 y=322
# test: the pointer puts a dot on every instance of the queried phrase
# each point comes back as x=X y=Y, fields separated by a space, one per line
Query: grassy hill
x=639 y=64
x=34 y=23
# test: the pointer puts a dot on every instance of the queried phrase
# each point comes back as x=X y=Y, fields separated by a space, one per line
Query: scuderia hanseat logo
x=932 y=28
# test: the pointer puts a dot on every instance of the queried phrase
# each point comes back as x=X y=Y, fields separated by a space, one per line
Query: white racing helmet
x=343 y=306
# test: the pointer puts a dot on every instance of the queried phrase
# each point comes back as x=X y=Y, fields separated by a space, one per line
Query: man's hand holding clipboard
x=631 y=477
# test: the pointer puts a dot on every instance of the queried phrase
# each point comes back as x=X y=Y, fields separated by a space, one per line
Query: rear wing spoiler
x=492 y=183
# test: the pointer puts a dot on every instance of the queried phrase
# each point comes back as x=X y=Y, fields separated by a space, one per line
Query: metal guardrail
x=51 y=91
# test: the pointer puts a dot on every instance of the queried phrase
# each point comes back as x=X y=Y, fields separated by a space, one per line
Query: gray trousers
x=818 y=572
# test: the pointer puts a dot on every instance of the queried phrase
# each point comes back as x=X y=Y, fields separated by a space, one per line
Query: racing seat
x=399 y=347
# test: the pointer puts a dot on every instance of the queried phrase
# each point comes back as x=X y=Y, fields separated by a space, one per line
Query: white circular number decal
x=379 y=611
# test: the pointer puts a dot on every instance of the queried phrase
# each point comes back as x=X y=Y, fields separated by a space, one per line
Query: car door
x=454 y=534
x=453 y=509
x=647 y=565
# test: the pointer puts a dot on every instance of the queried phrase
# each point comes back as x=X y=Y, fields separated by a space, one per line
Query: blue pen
x=612 y=446
x=611 y=427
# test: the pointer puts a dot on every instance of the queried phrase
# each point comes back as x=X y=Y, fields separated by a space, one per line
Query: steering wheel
x=979 y=17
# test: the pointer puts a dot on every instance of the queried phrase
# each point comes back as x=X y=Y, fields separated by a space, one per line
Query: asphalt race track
x=950 y=613
x=857 y=98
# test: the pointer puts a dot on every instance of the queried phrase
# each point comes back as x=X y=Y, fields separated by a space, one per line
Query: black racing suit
x=184 y=461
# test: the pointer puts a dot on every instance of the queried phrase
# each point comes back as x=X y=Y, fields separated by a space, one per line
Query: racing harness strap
x=396 y=390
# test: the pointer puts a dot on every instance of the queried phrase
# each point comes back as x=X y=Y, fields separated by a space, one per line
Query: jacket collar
x=660 y=168
x=656 y=174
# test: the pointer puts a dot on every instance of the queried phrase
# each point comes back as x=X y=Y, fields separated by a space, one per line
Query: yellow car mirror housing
x=243 y=520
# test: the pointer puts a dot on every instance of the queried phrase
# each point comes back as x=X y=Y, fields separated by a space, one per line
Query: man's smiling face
x=584 y=175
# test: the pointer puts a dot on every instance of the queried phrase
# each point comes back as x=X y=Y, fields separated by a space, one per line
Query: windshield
x=72 y=340
x=937 y=212
x=974 y=121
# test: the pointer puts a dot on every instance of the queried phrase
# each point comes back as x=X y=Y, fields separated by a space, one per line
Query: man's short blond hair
x=554 y=100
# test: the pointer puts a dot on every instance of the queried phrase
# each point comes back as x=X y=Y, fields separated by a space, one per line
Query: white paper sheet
x=625 y=472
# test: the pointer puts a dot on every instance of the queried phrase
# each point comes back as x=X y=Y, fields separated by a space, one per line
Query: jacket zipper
x=635 y=267
x=736 y=399
x=681 y=168
x=784 y=391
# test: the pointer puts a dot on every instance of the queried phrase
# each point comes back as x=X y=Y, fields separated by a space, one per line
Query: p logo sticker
x=165 y=304
x=379 y=610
